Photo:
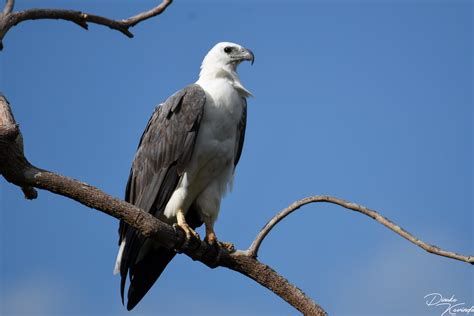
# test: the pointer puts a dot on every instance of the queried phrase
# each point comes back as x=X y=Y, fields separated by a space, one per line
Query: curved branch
x=8 y=6
x=270 y=279
x=17 y=170
x=253 y=250
x=10 y=19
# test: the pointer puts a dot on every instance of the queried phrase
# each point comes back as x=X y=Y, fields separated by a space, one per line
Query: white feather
x=119 y=258
x=210 y=171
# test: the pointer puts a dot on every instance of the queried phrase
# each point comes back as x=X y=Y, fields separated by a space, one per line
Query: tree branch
x=11 y=147
x=9 y=19
x=8 y=6
x=16 y=169
x=253 y=250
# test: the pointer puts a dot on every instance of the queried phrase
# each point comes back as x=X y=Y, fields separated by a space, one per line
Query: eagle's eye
x=227 y=49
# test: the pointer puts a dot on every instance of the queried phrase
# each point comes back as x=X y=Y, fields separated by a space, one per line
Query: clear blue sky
x=371 y=101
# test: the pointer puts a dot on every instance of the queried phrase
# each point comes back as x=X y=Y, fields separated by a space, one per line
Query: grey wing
x=164 y=151
x=167 y=143
x=241 y=133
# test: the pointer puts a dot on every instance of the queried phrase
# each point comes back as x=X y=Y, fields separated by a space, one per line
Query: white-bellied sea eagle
x=184 y=164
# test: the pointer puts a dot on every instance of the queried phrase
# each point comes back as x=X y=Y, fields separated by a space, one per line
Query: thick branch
x=10 y=19
x=17 y=170
x=270 y=279
x=253 y=250
x=11 y=147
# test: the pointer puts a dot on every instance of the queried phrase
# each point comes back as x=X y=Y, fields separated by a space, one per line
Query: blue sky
x=371 y=101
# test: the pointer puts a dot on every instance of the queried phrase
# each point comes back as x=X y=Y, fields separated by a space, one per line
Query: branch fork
x=8 y=18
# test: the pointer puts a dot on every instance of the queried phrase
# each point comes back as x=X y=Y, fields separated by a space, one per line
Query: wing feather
x=163 y=154
x=241 y=133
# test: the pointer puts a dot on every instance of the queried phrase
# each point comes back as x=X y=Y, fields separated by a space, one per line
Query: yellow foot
x=188 y=231
x=227 y=245
x=211 y=239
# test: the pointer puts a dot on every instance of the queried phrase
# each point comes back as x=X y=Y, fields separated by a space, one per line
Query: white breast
x=222 y=114
x=215 y=145
x=210 y=171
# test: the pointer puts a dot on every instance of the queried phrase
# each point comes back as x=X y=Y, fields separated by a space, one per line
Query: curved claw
x=227 y=245
x=211 y=240
x=188 y=232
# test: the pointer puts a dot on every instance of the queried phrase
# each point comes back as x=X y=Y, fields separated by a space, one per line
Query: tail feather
x=145 y=272
x=144 y=261
x=119 y=258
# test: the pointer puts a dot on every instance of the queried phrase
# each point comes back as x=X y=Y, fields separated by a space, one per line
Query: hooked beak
x=247 y=54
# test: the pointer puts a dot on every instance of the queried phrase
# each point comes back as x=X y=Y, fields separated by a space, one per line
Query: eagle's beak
x=247 y=54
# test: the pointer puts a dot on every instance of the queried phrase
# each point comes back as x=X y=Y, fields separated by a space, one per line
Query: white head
x=225 y=57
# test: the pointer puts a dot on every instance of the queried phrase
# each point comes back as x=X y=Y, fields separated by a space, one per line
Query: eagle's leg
x=181 y=219
x=211 y=238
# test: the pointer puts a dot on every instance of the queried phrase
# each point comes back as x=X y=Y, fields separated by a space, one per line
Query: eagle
x=185 y=164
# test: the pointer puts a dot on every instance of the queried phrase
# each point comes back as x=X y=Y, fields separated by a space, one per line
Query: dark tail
x=145 y=272
x=144 y=261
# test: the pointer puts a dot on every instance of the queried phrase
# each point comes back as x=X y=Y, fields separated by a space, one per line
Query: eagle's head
x=226 y=55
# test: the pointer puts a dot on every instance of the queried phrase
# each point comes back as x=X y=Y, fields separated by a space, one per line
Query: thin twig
x=134 y=20
x=80 y=18
x=253 y=250
x=8 y=6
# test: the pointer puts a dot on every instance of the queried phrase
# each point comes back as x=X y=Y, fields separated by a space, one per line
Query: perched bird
x=184 y=164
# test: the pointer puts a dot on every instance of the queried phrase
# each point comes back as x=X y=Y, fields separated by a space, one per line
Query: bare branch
x=8 y=6
x=11 y=145
x=134 y=20
x=270 y=279
x=17 y=170
x=9 y=19
x=253 y=250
